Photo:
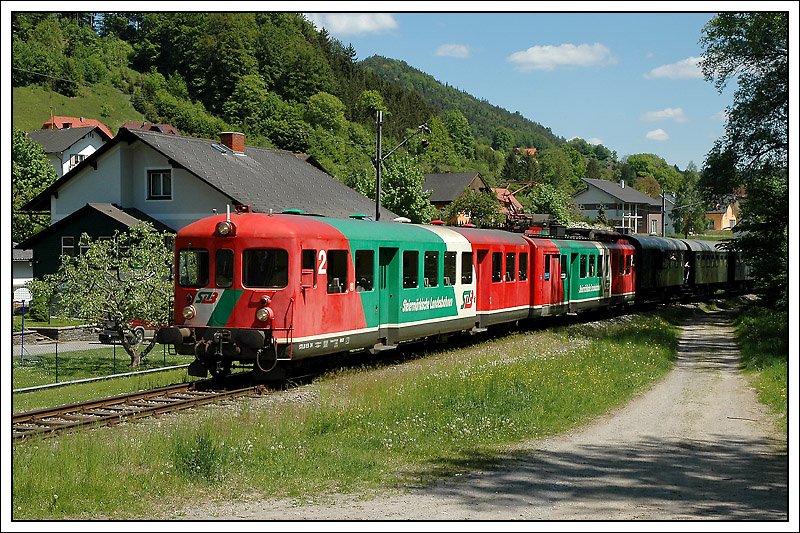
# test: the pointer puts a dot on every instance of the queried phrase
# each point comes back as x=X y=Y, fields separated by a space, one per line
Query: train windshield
x=264 y=268
x=193 y=267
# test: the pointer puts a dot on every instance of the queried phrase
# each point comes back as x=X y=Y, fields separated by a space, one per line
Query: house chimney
x=621 y=184
x=233 y=140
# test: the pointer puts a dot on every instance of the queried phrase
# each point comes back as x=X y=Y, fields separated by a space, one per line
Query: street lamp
x=380 y=158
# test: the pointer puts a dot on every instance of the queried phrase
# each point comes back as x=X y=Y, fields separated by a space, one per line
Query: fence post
x=56 y=361
x=22 y=336
x=114 y=344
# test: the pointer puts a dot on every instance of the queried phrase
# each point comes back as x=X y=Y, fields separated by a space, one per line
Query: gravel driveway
x=697 y=446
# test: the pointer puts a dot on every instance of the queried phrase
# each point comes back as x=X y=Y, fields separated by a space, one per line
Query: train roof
x=656 y=243
x=697 y=245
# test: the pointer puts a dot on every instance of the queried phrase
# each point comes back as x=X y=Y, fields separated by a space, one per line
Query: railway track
x=121 y=408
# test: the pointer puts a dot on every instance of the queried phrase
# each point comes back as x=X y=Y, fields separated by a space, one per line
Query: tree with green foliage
x=641 y=165
x=482 y=208
x=31 y=173
x=520 y=166
x=325 y=110
x=689 y=213
x=502 y=139
x=368 y=103
x=753 y=49
x=251 y=105
x=544 y=198
x=648 y=186
x=458 y=128
x=401 y=190
x=557 y=169
x=128 y=277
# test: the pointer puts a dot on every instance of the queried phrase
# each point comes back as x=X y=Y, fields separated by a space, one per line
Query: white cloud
x=549 y=57
x=721 y=116
x=688 y=68
x=353 y=23
x=594 y=141
x=669 y=113
x=453 y=50
x=657 y=135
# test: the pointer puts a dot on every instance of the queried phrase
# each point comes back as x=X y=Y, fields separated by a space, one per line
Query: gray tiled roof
x=627 y=194
x=128 y=217
x=447 y=187
x=264 y=178
x=56 y=141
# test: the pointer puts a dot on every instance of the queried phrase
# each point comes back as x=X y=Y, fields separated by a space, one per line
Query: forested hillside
x=484 y=118
x=276 y=78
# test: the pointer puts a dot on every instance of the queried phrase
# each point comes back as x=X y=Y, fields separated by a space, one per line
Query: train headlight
x=226 y=228
x=189 y=312
x=264 y=314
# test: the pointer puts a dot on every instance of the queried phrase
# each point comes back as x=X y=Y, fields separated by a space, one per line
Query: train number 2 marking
x=323 y=261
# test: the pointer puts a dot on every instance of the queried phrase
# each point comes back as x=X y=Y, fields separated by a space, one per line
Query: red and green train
x=263 y=290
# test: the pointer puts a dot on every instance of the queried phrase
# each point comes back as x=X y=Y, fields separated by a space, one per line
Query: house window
x=67 y=245
x=74 y=159
x=159 y=184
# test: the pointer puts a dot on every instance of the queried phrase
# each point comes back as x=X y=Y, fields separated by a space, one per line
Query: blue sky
x=627 y=80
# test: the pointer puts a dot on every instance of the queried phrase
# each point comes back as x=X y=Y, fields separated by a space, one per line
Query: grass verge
x=351 y=430
x=763 y=337
x=41 y=370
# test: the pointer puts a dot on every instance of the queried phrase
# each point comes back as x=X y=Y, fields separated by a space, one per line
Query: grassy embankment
x=41 y=370
x=33 y=105
x=763 y=337
x=356 y=429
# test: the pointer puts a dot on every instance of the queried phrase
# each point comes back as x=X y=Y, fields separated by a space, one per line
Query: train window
x=265 y=268
x=365 y=270
x=591 y=266
x=337 y=271
x=523 y=266
x=410 y=269
x=223 y=268
x=466 y=267
x=622 y=264
x=628 y=264
x=449 y=268
x=193 y=268
x=547 y=267
x=583 y=266
x=511 y=260
x=497 y=266
x=600 y=260
x=309 y=264
x=431 y=269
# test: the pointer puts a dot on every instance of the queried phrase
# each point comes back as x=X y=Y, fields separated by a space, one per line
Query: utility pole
x=378 y=165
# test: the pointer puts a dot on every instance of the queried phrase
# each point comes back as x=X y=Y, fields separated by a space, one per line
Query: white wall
x=121 y=179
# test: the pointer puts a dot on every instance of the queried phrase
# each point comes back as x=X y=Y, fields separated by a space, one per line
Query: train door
x=389 y=288
x=552 y=286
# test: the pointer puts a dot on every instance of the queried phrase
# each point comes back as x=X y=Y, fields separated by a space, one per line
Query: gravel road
x=697 y=446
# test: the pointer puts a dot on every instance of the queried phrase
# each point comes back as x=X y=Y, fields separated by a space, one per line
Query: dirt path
x=697 y=446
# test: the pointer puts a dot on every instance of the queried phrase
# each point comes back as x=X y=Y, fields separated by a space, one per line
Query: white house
x=626 y=209
x=176 y=180
x=67 y=145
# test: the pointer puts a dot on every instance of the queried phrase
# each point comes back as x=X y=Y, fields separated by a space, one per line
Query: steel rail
x=117 y=409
